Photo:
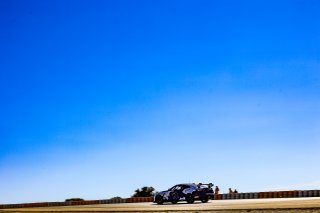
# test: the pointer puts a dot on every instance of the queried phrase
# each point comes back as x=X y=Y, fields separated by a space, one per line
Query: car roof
x=186 y=184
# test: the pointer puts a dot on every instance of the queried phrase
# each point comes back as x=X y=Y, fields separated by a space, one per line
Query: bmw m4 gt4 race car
x=185 y=192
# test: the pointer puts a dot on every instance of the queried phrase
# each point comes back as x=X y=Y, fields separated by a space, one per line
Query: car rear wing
x=209 y=185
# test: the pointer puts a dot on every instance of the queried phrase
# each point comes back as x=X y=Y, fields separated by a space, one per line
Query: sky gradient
x=99 y=98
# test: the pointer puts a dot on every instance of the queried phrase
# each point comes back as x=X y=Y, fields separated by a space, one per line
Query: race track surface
x=282 y=205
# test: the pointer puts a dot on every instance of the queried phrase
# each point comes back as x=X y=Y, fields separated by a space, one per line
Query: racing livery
x=185 y=192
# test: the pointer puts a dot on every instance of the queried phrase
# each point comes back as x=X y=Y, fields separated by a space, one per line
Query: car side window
x=183 y=187
x=177 y=188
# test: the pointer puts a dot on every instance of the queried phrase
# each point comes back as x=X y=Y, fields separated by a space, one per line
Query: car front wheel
x=159 y=199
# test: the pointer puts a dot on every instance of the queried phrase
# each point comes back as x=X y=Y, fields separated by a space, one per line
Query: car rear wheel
x=204 y=199
x=190 y=198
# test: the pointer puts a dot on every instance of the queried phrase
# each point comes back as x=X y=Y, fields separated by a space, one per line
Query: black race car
x=185 y=192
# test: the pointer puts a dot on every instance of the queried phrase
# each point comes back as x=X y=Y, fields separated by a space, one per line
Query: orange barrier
x=139 y=199
x=280 y=194
x=129 y=200
x=261 y=195
x=217 y=197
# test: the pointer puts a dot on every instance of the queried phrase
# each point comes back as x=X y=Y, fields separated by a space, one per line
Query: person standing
x=216 y=190
x=230 y=191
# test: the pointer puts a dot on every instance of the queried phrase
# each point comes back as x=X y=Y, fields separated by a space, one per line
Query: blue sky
x=99 y=98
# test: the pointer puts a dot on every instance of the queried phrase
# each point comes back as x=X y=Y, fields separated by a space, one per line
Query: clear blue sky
x=99 y=98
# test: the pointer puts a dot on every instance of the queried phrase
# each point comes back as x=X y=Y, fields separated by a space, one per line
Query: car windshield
x=179 y=187
x=174 y=187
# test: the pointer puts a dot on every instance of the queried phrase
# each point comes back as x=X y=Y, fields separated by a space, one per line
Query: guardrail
x=252 y=195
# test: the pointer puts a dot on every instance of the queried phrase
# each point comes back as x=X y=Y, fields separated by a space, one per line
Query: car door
x=177 y=191
x=181 y=190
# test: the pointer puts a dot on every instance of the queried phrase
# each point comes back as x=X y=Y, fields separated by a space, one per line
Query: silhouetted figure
x=235 y=191
x=230 y=191
x=216 y=190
